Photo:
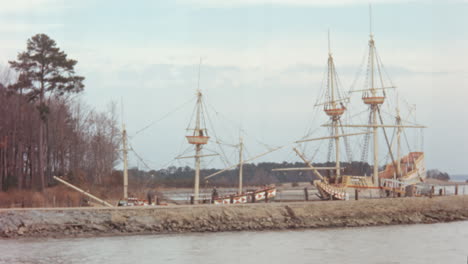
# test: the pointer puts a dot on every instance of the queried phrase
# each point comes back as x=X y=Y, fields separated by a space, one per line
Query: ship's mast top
x=371 y=51
x=331 y=73
x=198 y=131
x=198 y=138
x=374 y=90
x=198 y=83
x=371 y=33
x=332 y=94
x=199 y=128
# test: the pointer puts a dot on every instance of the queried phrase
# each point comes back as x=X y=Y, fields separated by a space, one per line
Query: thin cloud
x=24 y=7
x=239 y=3
x=24 y=27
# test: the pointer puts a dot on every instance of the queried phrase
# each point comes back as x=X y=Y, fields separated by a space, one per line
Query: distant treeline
x=437 y=174
x=253 y=174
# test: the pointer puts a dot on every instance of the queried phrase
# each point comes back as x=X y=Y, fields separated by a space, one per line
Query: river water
x=435 y=243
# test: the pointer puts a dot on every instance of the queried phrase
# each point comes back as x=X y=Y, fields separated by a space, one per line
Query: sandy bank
x=211 y=218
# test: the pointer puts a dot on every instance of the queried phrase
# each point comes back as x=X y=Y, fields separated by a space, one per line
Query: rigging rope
x=365 y=149
x=223 y=154
x=386 y=138
x=349 y=154
x=358 y=72
x=330 y=144
x=163 y=117
x=138 y=156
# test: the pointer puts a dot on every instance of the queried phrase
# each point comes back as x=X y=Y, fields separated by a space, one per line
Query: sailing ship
x=128 y=201
x=199 y=138
x=400 y=172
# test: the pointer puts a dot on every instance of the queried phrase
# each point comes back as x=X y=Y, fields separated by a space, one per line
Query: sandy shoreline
x=86 y=222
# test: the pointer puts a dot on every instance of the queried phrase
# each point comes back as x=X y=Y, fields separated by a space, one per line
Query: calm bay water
x=436 y=243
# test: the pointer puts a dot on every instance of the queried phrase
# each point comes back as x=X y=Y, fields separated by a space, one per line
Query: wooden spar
x=370 y=89
x=334 y=119
x=398 y=120
x=386 y=139
x=83 y=192
x=336 y=100
x=377 y=125
x=309 y=164
x=198 y=147
x=241 y=164
x=321 y=138
x=248 y=160
x=337 y=148
x=125 y=162
x=374 y=108
x=305 y=169
x=197 y=156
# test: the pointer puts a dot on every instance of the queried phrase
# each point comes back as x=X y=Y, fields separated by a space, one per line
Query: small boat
x=133 y=201
x=248 y=197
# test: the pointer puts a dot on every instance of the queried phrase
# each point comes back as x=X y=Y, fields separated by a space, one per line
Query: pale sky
x=263 y=62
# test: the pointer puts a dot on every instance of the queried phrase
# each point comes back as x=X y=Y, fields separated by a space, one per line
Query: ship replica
x=128 y=201
x=401 y=172
x=199 y=138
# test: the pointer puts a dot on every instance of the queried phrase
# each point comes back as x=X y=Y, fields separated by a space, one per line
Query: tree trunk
x=40 y=183
x=48 y=158
x=1 y=167
x=20 y=164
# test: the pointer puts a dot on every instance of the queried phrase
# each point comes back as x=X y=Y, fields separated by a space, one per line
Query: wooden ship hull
x=328 y=191
x=413 y=171
x=248 y=197
x=412 y=168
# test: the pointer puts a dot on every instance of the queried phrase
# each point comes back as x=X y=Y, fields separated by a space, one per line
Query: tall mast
x=332 y=74
x=198 y=148
x=331 y=107
x=198 y=138
x=125 y=162
x=373 y=100
x=374 y=113
x=373 y=106
x=241 y=163
x=398 y=122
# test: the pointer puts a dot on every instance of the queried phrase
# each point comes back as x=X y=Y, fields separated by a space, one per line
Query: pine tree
x=46 y=71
